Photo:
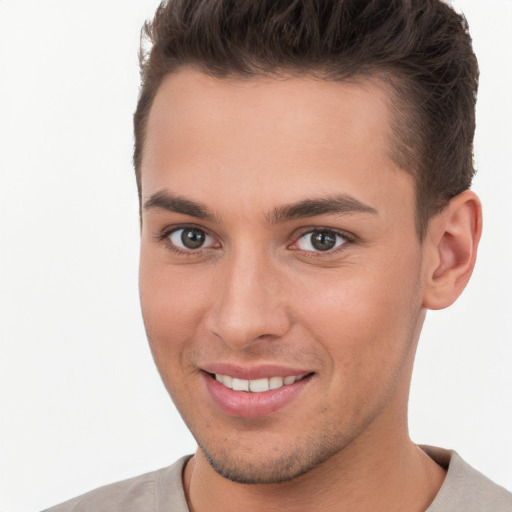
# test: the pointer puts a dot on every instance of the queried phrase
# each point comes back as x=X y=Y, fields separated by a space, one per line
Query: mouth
x=256 y=385
x=257 y=397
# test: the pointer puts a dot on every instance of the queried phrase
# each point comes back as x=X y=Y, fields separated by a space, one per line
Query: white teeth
x=240 y=384
x=259 y=385
x=275 y=382
x=256 y=385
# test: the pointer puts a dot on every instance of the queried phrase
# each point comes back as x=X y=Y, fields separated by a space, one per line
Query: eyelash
x=164 y=237
x=348 y=238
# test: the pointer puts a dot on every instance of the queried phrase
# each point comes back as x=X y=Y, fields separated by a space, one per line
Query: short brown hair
x=420 y=48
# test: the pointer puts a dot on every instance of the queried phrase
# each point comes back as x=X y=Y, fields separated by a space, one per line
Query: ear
x=450 y=249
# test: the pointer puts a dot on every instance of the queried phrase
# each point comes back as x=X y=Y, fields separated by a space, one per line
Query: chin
x=269 y=468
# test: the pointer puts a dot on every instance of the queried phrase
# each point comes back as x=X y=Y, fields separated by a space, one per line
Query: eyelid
x=167 y=230
x=164 y=237
x=349 y=238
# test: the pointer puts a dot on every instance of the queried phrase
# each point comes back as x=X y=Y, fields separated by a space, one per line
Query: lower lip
x=243 y=404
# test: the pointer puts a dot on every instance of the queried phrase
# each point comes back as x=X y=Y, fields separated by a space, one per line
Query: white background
x=80 y=401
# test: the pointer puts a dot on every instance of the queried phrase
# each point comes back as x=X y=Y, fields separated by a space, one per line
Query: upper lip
x=262 y=371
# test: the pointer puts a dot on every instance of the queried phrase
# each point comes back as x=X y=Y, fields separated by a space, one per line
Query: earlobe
x=451 y=248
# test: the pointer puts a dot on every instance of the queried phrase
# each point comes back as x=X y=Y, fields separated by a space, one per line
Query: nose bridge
x=249 y=303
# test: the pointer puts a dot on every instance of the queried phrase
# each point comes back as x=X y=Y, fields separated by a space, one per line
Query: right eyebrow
x=164 y=201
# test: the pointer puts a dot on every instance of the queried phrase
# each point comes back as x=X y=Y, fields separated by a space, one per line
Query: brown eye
x=323 y=240
x=190 y=238
x=320 y=240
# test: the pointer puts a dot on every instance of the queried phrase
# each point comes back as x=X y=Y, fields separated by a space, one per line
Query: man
x=304 y=171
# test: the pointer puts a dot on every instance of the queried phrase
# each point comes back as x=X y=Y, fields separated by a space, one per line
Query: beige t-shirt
x=464 y=490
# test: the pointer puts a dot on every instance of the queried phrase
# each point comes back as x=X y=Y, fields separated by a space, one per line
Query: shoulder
x=144 y=493
x=465 y=488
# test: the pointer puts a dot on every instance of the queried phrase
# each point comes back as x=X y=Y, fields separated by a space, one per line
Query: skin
x=258 y=293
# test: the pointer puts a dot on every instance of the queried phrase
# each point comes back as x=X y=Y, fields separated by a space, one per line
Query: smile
x=265 y=394
x=256 y=385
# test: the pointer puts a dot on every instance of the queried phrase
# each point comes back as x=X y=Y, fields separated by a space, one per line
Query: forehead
x=298 y=108
x=270 y=137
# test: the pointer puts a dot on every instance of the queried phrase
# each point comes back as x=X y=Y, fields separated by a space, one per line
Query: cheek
x=172 y=303
x=363 y=316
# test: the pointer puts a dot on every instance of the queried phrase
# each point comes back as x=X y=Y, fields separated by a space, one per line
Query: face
x=280 y=271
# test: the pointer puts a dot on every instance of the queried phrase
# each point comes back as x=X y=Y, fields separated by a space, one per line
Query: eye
x=190 y=239
x=320 y=240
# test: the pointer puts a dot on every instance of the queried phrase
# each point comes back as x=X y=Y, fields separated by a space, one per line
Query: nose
x=249 y=306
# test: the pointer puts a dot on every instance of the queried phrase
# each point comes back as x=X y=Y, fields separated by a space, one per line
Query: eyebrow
x=164 y=201
x=343 y=204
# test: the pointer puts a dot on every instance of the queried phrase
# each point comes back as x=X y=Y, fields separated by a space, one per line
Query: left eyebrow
x=343 y=204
